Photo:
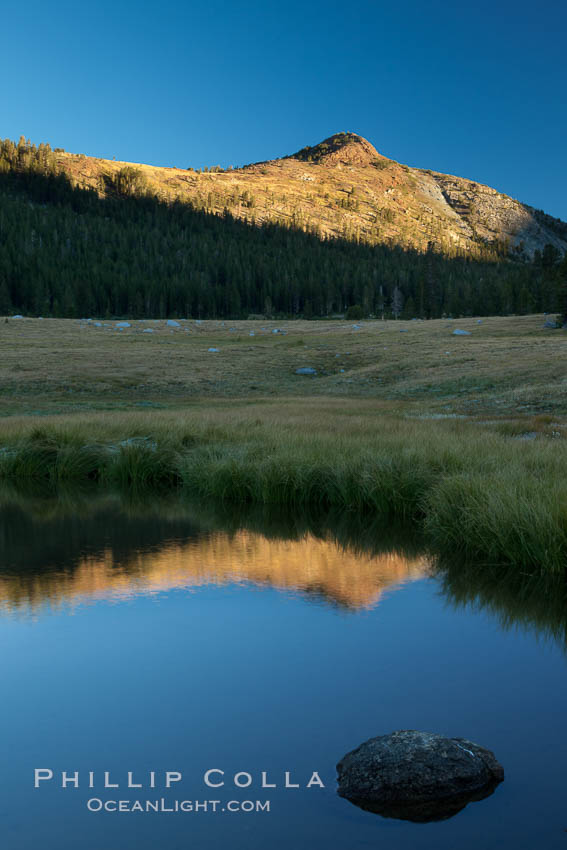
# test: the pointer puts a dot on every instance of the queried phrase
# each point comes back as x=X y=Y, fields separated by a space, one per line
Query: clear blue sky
x=475 y=89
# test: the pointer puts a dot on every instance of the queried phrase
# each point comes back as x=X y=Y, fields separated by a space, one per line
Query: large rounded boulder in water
x=417 y=776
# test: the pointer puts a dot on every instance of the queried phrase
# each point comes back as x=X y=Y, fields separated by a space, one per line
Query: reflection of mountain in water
x=79 y=546
x=517 y=599
x=61 y=556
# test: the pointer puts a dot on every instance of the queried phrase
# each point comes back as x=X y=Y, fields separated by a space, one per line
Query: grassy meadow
x=461 y=436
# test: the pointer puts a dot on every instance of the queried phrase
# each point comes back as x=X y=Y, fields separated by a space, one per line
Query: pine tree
x=5 y=300
x=397 y=302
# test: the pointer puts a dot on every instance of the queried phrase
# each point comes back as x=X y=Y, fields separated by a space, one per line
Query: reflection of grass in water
x=476 y=494
x=43 y=501
x=358 y=534
x=515 y=597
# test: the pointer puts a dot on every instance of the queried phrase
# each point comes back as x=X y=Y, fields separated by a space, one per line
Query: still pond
x=161 y=641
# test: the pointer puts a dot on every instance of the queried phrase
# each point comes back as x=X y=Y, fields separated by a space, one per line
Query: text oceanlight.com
x=95 y=804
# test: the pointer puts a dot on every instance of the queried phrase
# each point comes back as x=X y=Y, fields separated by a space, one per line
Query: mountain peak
x=341 y=148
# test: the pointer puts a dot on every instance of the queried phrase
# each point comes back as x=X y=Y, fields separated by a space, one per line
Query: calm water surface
x=141 y=639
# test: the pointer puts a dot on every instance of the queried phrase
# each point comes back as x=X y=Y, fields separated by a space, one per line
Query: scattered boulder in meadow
x=417 y=776
x=459 y=332
x=171 y=323
x=123 y=325
x=306 y=370
x=139 y=442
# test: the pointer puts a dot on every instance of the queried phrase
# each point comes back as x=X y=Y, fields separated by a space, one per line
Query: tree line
x=67 y=251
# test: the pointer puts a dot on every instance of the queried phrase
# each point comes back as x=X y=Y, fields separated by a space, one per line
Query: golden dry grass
x=508 y=369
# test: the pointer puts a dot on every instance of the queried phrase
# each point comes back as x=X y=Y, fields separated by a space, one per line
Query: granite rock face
x=417 y=776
